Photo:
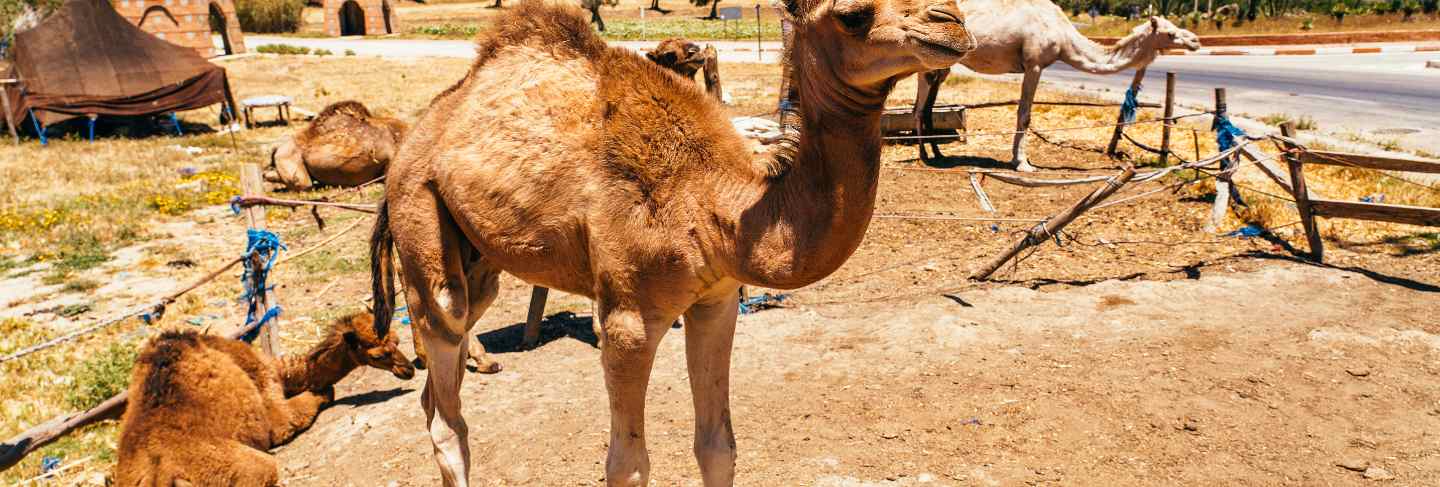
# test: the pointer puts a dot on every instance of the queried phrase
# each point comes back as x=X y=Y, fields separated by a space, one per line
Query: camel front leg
x=299 y=413
x=927 y=91
x=709 y=336
x=627 y=351
x=1022 y=118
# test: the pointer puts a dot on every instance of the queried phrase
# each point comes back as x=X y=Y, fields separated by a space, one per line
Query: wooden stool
x=280 y=102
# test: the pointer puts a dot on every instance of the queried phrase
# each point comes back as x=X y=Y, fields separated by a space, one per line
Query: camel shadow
x=554 y=327
x=977 y=162
x=372 y=397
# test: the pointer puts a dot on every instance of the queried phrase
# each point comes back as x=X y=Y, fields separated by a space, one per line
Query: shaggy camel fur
x=344 y=146
x=1027 y=36
x=600 y=174
x=203 y=409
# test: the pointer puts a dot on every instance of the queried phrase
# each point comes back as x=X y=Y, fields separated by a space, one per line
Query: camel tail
x=382 y=271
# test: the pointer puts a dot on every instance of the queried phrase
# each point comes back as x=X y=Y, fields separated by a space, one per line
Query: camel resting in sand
x=204 y=409
x=1027 y=36
x=345 y=145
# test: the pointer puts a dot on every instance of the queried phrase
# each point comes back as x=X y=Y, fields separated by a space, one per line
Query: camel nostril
x=945 y=13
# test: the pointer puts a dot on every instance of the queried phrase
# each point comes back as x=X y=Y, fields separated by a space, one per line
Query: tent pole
x=9 y=119
x=38 y=128
x=92 y=126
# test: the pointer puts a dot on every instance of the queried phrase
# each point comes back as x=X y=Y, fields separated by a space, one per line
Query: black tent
x=85 y=59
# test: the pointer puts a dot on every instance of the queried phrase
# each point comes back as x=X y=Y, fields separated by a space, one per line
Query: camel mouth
x=943 y=48
x=406 y=373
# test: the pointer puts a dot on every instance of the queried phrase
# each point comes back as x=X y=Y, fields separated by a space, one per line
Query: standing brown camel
x=344 y=146
x=1027 y=36
x=599 y=174
x=204 y=410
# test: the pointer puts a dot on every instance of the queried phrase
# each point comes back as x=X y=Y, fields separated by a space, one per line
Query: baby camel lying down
x=204 y=409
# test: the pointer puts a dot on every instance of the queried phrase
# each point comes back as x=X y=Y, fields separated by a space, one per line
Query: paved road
x=1377 y=96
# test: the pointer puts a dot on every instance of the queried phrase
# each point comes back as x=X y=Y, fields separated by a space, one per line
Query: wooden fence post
x=1169 y=118
x=1222 y=183
x=711 y=69
x=1055 y=224
x=253 y=185
x=1302 y=197
x=1120 y=118
x=537 y=313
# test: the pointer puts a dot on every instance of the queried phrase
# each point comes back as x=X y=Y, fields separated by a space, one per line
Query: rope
x=1063 y=129
x=896 y=216
x=1226 y=133
x=239 y=202
x=261 y=248
x=1127 y=109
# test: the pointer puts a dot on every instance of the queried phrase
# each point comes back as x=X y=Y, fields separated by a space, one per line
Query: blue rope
x=761 y=302
x=1226 y=133
x=38 y=129
x=176 y=120
x=267 y=246
x=1127 y=109
x=92 y=129
x=235 y=205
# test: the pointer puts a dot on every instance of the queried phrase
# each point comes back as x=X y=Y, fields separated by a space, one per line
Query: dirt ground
x=1140 y=351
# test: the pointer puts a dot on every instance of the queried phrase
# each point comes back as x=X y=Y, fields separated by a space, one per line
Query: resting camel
x=686 y=58
x=1027 y=36
x=204 y=409
x=344 y=146
x=599 y=174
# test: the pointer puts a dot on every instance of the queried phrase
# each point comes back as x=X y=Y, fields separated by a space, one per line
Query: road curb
x=1308 y=51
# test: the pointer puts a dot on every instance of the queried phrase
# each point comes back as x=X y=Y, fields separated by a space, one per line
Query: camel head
x=1166 y=35
x=678 y=55
x=365 y=348
x=869 y=44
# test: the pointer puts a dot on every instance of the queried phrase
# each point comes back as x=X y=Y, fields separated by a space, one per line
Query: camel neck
x=323 y=366
x=809 y=220
x=1086 y=55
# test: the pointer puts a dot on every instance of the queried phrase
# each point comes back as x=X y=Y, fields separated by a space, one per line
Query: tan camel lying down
x=344 y=146
x=205 y=409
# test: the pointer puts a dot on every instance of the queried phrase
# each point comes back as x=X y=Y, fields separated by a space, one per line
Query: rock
x=1358 y=371
x=889 y=435
x=1353 y=464
x=925 y=478
x=1377 y=473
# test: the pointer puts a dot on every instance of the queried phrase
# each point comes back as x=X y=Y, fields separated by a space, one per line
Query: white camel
x=1026 y=36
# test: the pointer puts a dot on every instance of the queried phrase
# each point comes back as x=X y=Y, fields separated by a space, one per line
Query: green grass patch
x=693 y=29
x=447 y=31
x=102 y=376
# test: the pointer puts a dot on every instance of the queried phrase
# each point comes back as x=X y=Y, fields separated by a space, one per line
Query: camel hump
x=559 y=29
x=161 y=362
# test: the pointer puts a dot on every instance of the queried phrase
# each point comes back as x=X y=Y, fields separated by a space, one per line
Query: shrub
x=282 y=49
x=267 y=16
x=102 y=376
x=349 y=52
x=1339 y=11
x=322 y=52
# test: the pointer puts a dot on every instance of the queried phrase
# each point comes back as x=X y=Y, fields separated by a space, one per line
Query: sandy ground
x=1269 y=377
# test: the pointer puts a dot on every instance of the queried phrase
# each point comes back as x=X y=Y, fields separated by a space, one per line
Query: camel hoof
x=1023 y=166
x=487 y=367
x=419 y=363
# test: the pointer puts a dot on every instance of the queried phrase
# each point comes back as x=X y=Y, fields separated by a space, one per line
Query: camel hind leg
x=927 y=91
x=483 y=287
x=216 y=463
x=433 y=253
x=1021 y=162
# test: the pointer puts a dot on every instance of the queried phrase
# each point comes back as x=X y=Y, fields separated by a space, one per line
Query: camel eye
x=857 y=21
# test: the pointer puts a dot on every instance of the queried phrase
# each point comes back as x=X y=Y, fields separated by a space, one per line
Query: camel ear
x=351 y=339
x=666 y=58
x=1155 y=23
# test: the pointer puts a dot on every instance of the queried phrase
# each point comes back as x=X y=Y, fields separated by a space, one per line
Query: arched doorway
x=385 y=9
x=352 y=19
x=217 y=24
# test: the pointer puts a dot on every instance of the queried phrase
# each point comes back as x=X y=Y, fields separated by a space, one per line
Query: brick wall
x=374 y=17
x=183 y=22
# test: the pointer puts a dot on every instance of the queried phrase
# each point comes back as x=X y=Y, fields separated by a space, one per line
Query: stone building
x=187 y=23
x=359 y=17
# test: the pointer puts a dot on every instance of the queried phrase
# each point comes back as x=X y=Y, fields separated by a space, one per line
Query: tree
x=594 y=7
x=714 y=6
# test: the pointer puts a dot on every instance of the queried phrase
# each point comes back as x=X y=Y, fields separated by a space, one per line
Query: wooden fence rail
x=1310 y=206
